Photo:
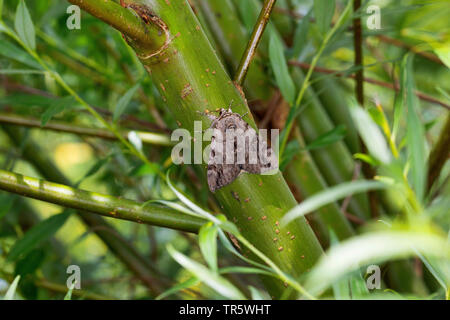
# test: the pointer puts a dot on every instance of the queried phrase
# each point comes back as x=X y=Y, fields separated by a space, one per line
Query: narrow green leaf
x=336 y=134
x=367 y=159
x=370 y=133
x=258 y=294
x=207 y=239
x=358 y=286
x=124 y=101
x=280 y=69
x=37 y=234
x=324 y=11
x=24 y=25
x=57 y=106
x=68 y=295
x=190 y=204
x=173 y=205
x=209 y=278
x=415 y=134
x=330 y=195
x=246 y=270
x=179 y=287
x=8 y=50
x=301 y=36
x=373 y=248
x=12 y=289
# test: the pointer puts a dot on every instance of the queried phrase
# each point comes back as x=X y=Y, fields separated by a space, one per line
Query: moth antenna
x=244 y=115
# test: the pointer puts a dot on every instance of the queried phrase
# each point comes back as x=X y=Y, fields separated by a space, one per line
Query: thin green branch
x=146 y=137
x=255 y=38
x=101 y=204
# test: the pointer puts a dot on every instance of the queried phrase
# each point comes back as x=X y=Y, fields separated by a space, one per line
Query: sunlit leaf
x=190 y=204
x=246 y=270
x=12 y=289
x=373 y=248
x=192 y=281
x=329 y=196
x=258 y=294
x=68 y=295
x=209 y=278
x=207 y=239
x=370 y=133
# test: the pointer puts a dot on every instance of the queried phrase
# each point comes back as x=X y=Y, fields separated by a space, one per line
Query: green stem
x=101 y=204
x=255 y=38
x=146 y=137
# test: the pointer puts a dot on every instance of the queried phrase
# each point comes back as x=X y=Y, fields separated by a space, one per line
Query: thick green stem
x=191 y=79
x=302 y=175
x=101 y=204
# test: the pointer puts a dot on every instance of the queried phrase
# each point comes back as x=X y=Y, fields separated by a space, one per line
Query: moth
x=235 y=148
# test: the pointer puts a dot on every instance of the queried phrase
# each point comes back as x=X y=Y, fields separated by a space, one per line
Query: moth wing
x=259 y=157
x=219 y=174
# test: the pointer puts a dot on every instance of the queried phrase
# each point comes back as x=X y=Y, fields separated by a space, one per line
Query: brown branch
x=380 y=83
x=255 y=38
x=357 y=44
x=440 y=154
